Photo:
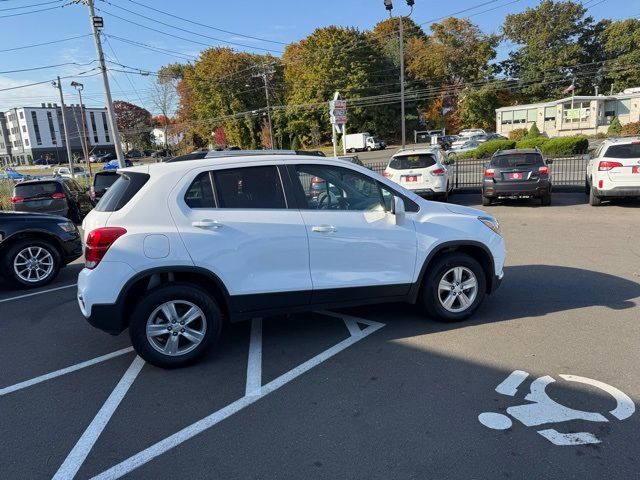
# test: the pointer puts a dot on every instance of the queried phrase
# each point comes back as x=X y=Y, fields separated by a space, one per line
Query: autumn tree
x=134 y=124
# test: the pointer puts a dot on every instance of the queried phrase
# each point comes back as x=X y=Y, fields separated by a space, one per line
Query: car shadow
x=67 y=276
x=557 y=200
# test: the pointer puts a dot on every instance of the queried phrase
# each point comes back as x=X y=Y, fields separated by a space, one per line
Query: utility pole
x=388 y=4
x=85 y=140
x=64 y=125
x=265 y=78
x=96 y=24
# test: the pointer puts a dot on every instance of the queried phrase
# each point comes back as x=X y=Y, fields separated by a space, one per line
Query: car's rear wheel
x=31 y=263
x=594 y=200
x=486 y=201
x=454 y=288
x=587 y=187
x=174 y=325
x=545 y=201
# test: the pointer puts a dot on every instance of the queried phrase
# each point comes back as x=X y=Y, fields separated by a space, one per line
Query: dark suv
x=517 y=174
x=57 y=196
x=33 y=247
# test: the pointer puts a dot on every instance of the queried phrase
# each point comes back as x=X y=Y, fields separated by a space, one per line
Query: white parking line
x=26 y=295
x=64 y=371
x=254 y=363
x=79 y=453
x=200 y=426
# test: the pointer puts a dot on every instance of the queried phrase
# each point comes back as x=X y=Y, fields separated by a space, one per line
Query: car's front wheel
x=454 y=288
x=174 y=325
x=31 y=263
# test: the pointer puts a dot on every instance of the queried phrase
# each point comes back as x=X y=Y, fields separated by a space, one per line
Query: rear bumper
x=528 y=189
x=619 y=192
x=106 y=317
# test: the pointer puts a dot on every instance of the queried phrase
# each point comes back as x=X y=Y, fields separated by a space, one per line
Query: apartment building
x=30 y=133
x=585 y=115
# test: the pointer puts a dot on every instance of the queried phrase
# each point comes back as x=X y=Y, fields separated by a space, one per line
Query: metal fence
x=468 y=173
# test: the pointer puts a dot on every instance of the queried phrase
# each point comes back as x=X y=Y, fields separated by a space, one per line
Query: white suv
x=425 y=171
x=614 y=171
x=175 y=249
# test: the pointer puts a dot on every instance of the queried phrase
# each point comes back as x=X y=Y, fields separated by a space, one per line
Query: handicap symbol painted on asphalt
x=544 y=410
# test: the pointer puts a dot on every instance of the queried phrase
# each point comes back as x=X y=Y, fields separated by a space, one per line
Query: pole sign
x=338 y=110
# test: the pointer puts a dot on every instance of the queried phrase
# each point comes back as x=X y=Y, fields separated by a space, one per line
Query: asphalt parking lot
x=375 y=392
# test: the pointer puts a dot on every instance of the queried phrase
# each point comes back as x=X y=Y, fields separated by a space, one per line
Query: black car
x=107 y=157
x=101 y=183
x=56 y=196
x=517 y=174
x=33 y=247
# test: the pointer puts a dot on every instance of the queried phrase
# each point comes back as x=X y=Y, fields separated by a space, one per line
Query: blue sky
x=276 y=20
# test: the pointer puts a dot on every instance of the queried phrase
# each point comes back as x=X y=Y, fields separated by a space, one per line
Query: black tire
x=369 y=149
x=445 y=196
x=153 y=299
x=545 y=201
x=430 y=287
x=486 y=201
x=587 y=187
x=14 y=250
x=594 y=200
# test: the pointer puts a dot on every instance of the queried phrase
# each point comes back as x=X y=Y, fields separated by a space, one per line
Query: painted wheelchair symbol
x=544 y=410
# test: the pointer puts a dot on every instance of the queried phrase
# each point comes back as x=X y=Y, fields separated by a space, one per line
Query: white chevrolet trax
x=174 y=250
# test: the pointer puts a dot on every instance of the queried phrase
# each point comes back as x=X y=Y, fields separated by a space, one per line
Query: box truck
x=356 y=142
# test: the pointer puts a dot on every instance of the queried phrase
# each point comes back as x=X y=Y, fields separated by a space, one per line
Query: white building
x=29 y=133
x=585 y=115
x=172 y=138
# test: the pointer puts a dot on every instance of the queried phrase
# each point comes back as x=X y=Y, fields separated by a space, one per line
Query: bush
x=631 y=129
x=6 y=189
x=518 y=134
x=533 y=132
x=615 y=128
x=295 y=144
x=486 y=149
x=532 y=142
x=566 y=146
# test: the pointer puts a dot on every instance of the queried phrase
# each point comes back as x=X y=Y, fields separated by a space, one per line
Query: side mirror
x=397 y=208
x=549 y=161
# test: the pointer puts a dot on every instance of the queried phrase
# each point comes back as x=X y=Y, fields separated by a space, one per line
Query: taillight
x=59 y=195
x=387 y=174
x=544 y=170
x=17 y=199
x=98 y=242
x=489 y=173
x=438 y=172
x=606 y=165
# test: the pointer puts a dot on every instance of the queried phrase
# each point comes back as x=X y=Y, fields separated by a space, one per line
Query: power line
x=81 y=74
x=51 y=42
x=44 y=67
x=29 y=6
x=32 y=11
x=185 y=56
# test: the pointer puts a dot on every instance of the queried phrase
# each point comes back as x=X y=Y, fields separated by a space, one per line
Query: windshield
x=630 y=150
x=517 y=160
x=104 y=181
x=407 y=162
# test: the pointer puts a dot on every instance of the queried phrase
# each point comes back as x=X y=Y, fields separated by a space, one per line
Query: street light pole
x=64 y=125
x=266 y=93
x=85 y=146
x=96 y=24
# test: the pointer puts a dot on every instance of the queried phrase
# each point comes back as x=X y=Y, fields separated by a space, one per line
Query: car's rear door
x=517 y=168
x=40 y=197
x=356 y=248
x=626 y=158
x=238 y=223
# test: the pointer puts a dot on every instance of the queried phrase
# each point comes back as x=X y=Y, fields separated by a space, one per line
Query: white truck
x=357 y=142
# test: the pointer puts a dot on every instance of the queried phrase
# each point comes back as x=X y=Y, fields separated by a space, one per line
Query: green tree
x=477 y=107
x=621 y=45
x=558 y=41
x=615 y=127
x=533 y=131
x=134 y=124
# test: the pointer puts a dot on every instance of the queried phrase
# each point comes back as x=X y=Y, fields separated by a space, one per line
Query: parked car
x=103 y=158
x=114 y=165
x=133 y=154
x=160 y=154
x=351 y=158
x=102 y=181
x=65 y=172
x=33 y=247
x=424 y=171
x=13 y=175
x=467 y=140
x=56 y=196
x=517 y=173
x=614 y=171
x=147 y=152
x=179 y=260
x=42 y=161
x=464 y=147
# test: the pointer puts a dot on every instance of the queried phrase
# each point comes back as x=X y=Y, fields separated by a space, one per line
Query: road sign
x=338 y=110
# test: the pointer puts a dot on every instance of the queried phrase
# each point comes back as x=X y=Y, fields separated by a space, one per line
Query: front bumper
x=71 y=246
x=495 y=283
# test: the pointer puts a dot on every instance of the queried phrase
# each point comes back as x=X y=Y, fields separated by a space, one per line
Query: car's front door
x=354 y=242
x=237 y=223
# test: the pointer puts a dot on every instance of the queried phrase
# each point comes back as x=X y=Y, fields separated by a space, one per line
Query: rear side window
x=250 y=187
x=36 y=189
x=407 y=162
x=630 y=150
x=122 y=191
x=104 y=181
x=200 y=193
x=517 y=160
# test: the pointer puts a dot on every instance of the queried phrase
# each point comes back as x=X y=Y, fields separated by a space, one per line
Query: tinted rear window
x=407 y=162
x=36 y=189
x=104 y=181
x=122 y=191
x=630 y=150
x=517 y=160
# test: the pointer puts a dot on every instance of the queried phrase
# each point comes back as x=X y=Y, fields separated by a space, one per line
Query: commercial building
x=30 y=133
x=585 y=115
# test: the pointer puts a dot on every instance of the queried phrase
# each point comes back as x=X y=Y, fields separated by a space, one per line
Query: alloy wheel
x=33 y=264
x=176 y=327
x=457 y=289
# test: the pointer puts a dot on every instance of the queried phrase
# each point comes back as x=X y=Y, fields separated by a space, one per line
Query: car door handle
x=206 y=224
x=324 y=229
